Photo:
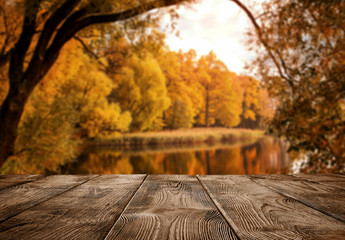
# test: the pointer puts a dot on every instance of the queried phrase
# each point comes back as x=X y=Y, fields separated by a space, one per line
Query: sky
x=217 y=25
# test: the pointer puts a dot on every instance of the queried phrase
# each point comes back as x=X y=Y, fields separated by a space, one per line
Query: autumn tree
x=267 y=108
x=183 y=87
x=300 y=57
x=229 y=109
x=141 y=91
x=178 y=114
x=68 y=104
x=180 y=78
x=250 y=102
x=258 y=107
x=222 y=96
x=46 y=26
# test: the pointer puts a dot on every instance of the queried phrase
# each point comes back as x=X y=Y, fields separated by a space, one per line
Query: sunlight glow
x=218 y=25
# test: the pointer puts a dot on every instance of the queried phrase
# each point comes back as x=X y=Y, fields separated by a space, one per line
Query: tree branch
x=46 y=35
x=89 y=51
x=79 y=20
x=24 y=41
x=264 y=43
x=5 y=58
x=43 y=63
x=50 y=26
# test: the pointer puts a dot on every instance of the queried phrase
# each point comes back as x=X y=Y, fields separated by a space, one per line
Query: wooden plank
x=22 y=197
x=86 y=212
x=171 y=207
x=327 y=199
x=256 y=212
x=332 y=180
x=7 y=181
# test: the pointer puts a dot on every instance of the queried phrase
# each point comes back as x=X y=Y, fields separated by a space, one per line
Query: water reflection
x=267 y=155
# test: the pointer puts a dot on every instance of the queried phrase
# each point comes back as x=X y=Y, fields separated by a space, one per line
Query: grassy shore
x=179 y=137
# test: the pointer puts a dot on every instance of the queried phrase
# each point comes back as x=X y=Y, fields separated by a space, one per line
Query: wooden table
x=172 y=207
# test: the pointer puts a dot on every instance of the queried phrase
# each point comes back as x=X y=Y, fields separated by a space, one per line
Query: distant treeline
x=99 y=90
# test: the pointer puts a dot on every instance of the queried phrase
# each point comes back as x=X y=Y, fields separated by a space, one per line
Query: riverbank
x=178 y=137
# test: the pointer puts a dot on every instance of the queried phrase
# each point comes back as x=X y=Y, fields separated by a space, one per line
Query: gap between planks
x=258 y=212
x=77 y=213
x=125 y=207
x=200 y=181
x=171 y=226
x=231 y=225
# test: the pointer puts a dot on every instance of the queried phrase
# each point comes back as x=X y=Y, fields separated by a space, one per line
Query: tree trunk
x=206 y=107
x=10 y=115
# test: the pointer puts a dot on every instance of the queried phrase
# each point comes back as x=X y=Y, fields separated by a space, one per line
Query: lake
x=263 y=156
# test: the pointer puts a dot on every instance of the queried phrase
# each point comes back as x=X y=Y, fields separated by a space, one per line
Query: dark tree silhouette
x=62 y=23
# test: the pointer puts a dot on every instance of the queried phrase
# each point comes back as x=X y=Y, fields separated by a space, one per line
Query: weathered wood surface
x=87 y=211
x=256 y=212
x=19 y=198
x=172 y=207
x=325 y=198
x=7 y=181
x=333 y=180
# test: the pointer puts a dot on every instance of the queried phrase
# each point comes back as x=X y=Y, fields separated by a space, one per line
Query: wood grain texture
x=171 y=207
x=327 y=199
x=86 y=212
x=256 y=212
x=7 y=181
x=19 y=198
x=332 y=180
